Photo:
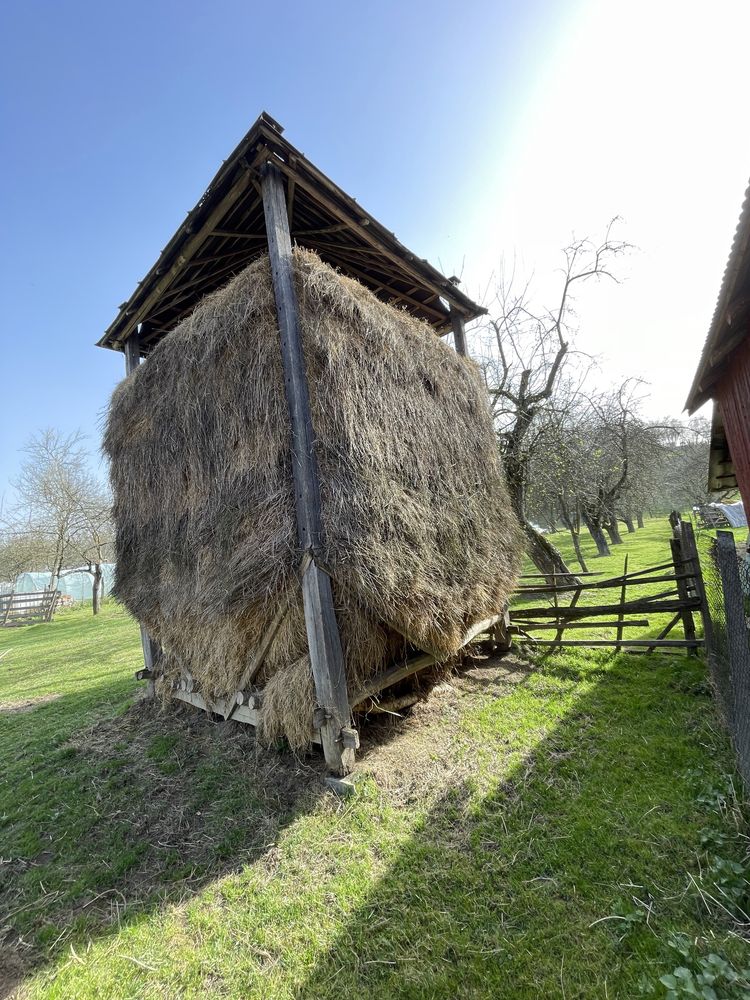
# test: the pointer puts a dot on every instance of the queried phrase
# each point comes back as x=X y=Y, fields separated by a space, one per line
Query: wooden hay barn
x=232 y=262
x=723 y=373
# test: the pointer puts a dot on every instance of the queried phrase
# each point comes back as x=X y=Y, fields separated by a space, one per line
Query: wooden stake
x=324 y=643
x=622 y=599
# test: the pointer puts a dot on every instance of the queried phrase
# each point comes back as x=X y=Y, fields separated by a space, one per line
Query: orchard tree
x=526 y=351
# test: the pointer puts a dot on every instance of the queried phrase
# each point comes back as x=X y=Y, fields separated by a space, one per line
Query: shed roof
x=226 y=230
x=730 y=324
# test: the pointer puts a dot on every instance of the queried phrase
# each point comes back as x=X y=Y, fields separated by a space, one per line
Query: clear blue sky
x=114 y=118
x=472 y=129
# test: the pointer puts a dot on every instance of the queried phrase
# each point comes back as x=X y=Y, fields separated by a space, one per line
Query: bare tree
x=527 y=351
x=62 y=506
x=19 y=551
x=624 y=452
x=93 y=540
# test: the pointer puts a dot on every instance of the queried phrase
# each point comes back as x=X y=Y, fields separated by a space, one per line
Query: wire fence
x=726 y=577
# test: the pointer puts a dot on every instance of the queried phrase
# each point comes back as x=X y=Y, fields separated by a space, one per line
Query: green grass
x=541 y=829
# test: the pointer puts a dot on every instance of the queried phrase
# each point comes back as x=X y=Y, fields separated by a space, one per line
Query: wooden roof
x=226 y=230
x=730 y=325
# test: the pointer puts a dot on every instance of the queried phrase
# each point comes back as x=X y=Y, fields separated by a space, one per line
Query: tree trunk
x=639 y=518
x=573 y=523
x=600 y=540
x=576 y=536
x=96 y=593
x=542 y=552
x=613 y=531
x=595 y=530
x=628 y=522
x=56 y=571
x=546 y=558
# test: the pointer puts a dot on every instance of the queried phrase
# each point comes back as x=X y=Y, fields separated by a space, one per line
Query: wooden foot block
x=343 y=787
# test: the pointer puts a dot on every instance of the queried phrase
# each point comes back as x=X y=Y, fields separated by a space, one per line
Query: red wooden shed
x=723 y=373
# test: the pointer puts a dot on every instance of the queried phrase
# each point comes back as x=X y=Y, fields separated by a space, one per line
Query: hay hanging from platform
x=419 y=535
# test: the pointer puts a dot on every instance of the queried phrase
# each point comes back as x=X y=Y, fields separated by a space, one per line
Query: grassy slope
x=147 y=855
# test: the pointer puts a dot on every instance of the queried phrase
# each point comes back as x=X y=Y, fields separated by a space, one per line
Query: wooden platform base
x=242 y=713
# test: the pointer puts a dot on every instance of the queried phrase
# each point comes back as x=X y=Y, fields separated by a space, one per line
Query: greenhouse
x=77 y=584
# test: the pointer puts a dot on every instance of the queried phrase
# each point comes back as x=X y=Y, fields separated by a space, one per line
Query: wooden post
x=693 y=566
x=324 y=643
x=151 y=649
x=739 y=650
x=459 y=332
x=683 y=591
x=623 y=594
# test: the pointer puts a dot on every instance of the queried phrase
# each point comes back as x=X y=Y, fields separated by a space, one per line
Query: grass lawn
x=565 y=826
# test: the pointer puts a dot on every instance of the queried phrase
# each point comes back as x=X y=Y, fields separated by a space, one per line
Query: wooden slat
x=638 y=605
x=618 y=623
x=625 y=643
x=392 y=676
x=243 y=713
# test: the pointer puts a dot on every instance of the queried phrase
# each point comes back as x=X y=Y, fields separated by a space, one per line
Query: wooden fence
x=679 y=597
x=27 y=609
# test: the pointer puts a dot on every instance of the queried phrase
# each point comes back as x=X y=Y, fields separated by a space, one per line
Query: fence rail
x=683 y=598
x=28 y=608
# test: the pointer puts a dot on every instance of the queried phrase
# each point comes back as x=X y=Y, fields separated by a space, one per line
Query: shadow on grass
x=518 y=881
x=133 y=812
x=571 y=795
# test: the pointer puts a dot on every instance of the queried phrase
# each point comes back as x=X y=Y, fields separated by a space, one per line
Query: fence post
x=737 y=642
x=623 y=593
x=693 y=566
x=683 y=590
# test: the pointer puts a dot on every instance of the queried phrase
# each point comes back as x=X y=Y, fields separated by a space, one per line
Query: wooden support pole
x=324 y=643
x=151 y=649
x=459 y=332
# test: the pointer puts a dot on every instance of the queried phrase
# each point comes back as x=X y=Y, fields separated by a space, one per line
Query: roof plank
x=227 y=218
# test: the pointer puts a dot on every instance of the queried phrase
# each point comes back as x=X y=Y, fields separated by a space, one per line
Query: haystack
x=420 y=540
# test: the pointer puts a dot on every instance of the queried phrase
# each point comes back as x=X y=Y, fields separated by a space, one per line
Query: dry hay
x=419 y=536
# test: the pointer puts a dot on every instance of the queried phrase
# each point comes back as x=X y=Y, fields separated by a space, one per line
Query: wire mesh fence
x=726 y=576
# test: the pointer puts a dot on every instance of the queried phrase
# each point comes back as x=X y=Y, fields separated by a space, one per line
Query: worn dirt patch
x=412 y=758
x=27 y=704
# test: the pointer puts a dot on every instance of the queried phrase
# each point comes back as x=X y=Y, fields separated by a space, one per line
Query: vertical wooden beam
x=151 y=649
x=683 y=590
x=459 y=332
x=696 y=584
x=324 y=642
